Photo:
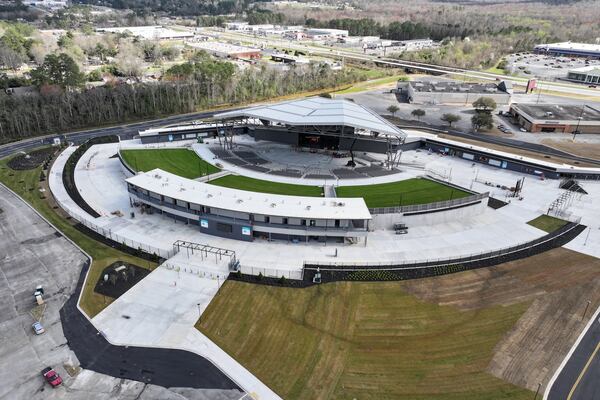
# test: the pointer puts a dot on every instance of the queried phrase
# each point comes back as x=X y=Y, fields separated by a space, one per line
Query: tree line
x=54 y=109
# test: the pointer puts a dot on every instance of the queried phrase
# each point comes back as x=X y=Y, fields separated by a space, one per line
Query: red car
x=52 y=377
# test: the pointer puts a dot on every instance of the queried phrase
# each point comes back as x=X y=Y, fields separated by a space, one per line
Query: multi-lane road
x=578 y=378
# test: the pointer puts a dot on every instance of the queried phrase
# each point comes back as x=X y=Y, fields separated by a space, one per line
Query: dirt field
x=473 y=335
x=589 y=150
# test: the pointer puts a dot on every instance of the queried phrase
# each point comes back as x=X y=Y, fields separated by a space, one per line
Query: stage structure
x=316 y=123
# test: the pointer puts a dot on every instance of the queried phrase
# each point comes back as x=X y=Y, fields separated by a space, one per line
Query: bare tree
x=10 y=58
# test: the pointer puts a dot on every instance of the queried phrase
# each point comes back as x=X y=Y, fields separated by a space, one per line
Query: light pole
x=199 y=313
x=586 y=308
x=576 y=131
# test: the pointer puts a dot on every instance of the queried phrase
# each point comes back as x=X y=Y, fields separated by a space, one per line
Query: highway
x=562 y=88
x=579 y=377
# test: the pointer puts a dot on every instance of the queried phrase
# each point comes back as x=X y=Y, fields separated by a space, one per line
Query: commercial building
x=243 y=215
x=155 y=32
x=590 y=74
x=324 y=34
x=453 y=92
x=569 y=49
x=49 y=4
x=556 y=117
x=226 y=50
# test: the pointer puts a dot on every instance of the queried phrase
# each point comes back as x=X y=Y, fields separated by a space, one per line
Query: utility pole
x=576 y=131
x=537 y=391
x=586 y=308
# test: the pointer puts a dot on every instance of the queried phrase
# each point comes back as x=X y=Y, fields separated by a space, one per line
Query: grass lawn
x=258 y=185
x=548 y=223
x=407 y=192
x=352 y=340
x=26 y=184
x=370 y=84
x=182 y=162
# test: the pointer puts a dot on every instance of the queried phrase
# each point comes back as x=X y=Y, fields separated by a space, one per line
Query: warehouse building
x=324 y=34
x=556 y=117
x=226 y=50
x=568 y=49
x=453 y=92
x=590 y=74
x=154 y=32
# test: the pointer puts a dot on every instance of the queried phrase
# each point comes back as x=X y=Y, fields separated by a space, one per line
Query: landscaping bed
x=31 y=160
x=118 y=278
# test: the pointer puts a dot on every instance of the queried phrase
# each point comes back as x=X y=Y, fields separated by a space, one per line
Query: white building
x=323 y=34
x=154 y=32
x=50 y=4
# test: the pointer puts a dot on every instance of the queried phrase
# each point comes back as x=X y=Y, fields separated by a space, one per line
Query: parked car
x=38 y=328
x=52 y=377
x=523 y=129
x=593 y=86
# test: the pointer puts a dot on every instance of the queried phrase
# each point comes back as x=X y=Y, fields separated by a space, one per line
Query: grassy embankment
x=548 y=223
x=27 y=185
x=258 y=185
x=360 y=341
x=182 y=162
x=402 y=193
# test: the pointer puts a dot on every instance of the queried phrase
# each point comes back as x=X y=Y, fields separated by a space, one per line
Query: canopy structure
x=318 y=112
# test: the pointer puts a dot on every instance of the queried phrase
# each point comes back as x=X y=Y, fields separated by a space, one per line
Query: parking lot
x=31 y=254
x=544 y=67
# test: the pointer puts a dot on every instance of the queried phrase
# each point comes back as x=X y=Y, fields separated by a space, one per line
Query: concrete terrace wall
x=387 y=221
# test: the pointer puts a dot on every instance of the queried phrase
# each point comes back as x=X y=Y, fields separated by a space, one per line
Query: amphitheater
x=335 y=149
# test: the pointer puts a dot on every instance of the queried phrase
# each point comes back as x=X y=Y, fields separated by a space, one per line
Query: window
x=221 y=227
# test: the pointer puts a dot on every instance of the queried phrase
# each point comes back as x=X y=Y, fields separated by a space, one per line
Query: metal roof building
x=569 y=49
x=318 y=111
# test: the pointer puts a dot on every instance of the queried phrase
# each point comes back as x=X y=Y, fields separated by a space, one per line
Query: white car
x=38 y=328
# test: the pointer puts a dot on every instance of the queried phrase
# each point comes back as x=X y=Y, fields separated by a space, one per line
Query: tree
x=484 y=104
x=418 y=112
x=58 y=70
x=393 y=109
x=482 y=119
x=450 y=118
x=10 y=58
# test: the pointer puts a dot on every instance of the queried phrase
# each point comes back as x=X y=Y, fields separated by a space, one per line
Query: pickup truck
x=52 y=377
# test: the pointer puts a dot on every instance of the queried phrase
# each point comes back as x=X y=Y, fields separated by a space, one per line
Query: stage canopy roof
x=318 y=111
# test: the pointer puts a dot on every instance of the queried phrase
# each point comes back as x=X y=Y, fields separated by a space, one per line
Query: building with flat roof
x=226 y=50
x=153 y=32
x=454 y=92
x=323 y=34
x=569 y=49
x=243 y=215
x=589 y=74
x=556 y=117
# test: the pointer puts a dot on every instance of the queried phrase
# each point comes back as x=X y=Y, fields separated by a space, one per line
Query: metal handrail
x=438 y=205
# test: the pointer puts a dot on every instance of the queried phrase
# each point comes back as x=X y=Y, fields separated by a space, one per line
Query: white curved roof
x=318 y=111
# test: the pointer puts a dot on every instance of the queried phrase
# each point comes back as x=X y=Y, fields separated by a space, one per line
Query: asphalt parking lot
x=31 y=254
x=544 y=67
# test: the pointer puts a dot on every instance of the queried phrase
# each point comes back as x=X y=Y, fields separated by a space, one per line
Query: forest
x=187 y=89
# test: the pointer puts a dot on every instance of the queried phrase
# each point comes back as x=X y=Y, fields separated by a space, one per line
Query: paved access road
x=126 y=131
x=580 y=377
